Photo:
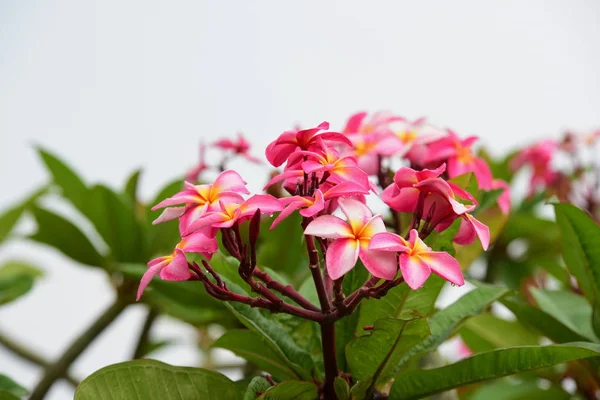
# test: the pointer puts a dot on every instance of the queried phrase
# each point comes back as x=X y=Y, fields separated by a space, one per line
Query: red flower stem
x=286 y=290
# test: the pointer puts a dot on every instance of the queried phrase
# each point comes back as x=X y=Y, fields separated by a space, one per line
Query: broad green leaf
x=154 y=380
x=309 y=291
x=8 y=387
x=506 y=389
x=72 y=186
x=446 y=321
x=487 y=200
x=570 y=309
x=283 y=248
x=162 y=238
x=131 y=186
x=342 y=389
x=296 y=358
x=16 y=279
x=401 y=302
x=255 y=349
x=61 y=234
x=544 y=323
x=115 y=220
x=375 y=356
x=292 y=390
x=486 y=332
x=10 y=217
x=258 y=385
x=416 y=384
x=581 y=252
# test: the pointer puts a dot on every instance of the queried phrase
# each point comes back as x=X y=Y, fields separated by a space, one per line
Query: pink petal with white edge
x=186 y=196
x=177 y=270
x=444 y=265
x=373 y=226
x=155 y=266
x=414 y=271
x=169 y=214
x=211 y=219
x=330 y=227
x=381 y=264
x=230 y=181
x=348 y=188
x=342 y=255
x=356 y=212
x=387 y=241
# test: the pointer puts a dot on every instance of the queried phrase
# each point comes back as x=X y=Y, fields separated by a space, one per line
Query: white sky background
x=114 y=85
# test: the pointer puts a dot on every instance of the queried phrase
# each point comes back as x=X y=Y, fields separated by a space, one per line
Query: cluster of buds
x=328 y=178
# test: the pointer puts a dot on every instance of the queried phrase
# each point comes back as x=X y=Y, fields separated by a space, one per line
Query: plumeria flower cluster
x=328 y=176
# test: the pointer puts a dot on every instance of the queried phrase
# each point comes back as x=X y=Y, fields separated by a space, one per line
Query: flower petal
x=444 y=265
x=471 y=227
x=198 y=242
x=387 y=241
x=157 y=265
x=265 y=202
x=230 y=181
x=381 y=264
x=358 y=213
x=341 y=257
x=414 y=271
x=373 y=226
x=178 y=269
x=329 y=226
x=169 y=214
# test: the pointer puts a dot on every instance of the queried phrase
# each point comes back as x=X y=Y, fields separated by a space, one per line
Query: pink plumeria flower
x=199 y=199
x=230 y=213
x=310 y=206
x=539 y=156
x=288 y=142
x=367 y=148
x=174 y=267
x=459 y=157
x=379 y=122
x=240 y=146
x=351 y=240
x=414 y=136
x=417 y=260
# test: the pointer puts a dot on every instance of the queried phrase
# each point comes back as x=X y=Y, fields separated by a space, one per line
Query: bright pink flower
x=230 y=213
x=288 y=142
x=199 y=199
x=310 y=206
x=504 y=198
x=367 y=148
x=240 y=147
x=351 y=241
x=460 y=158
x=417 y=260
x=414 y=136
x=539 y=157
x=174 y=267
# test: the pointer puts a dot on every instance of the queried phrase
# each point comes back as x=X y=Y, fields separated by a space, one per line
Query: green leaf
x=279 y=341
x=401 y=302
x=570 y=309
x=16 y=279
x=446 y=321
x=542 y=322
x=375 y=356
x=291 y=390
x=150 y=379
x=11 y=387
x=131 y=186
x=255 y=349
x=115 y=220
x=416 y=384
x=10 y=217
x=257 y=386
x=72 y=186
x=342 y=389
x=61 y=234
x=581 y=252
x=506 y=389
x=488 y=199
x=486 y=332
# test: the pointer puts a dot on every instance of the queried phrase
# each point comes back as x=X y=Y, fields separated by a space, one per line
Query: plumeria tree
x=327 y=282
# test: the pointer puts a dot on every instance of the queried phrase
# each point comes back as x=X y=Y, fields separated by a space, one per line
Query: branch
x=286 y=290
x=60 y=366
x=30 y=356
x=144 y=338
